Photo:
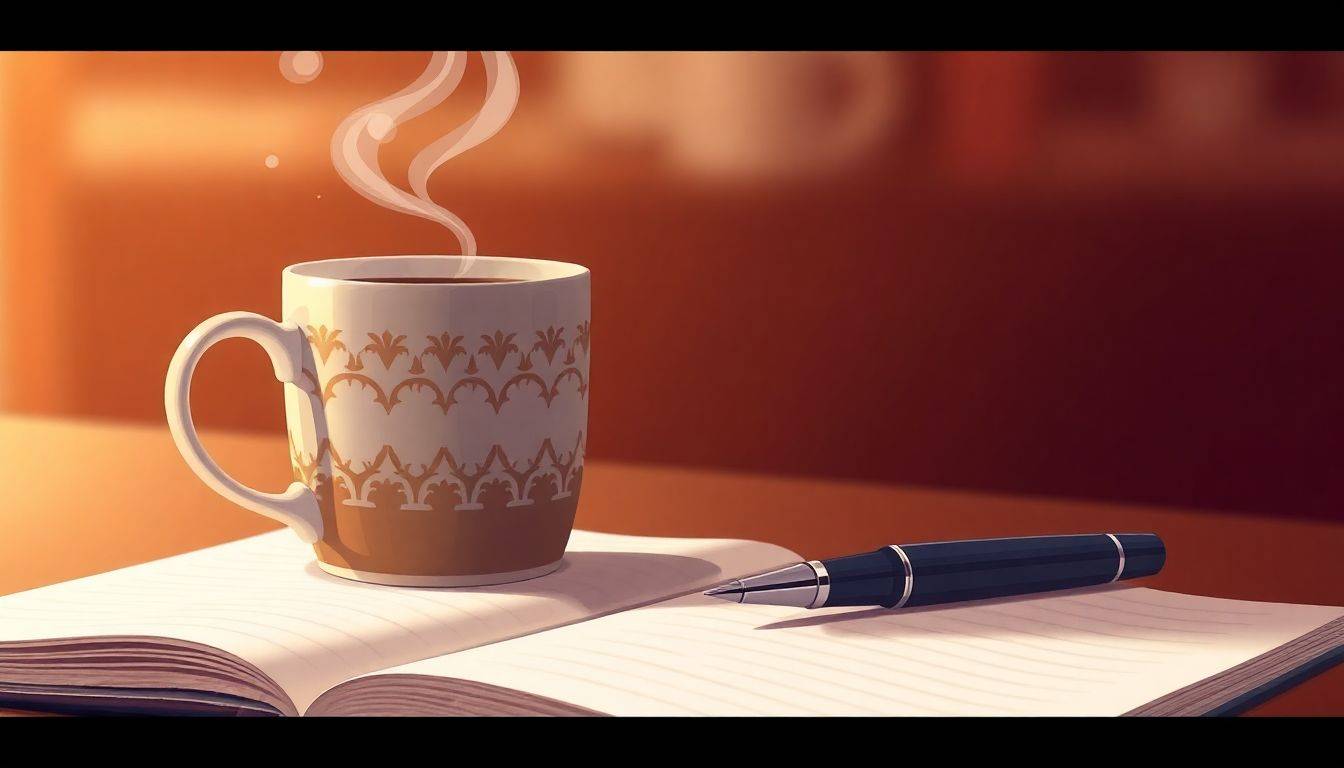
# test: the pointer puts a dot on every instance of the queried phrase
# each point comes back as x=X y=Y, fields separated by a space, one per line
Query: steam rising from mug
x=354 y=146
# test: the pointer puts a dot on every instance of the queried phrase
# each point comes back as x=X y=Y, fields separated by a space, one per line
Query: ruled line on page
x=1151 y=602
x=962 y=639
x=814 y=650
x=1129 y=624
x=679 y=704
x=806 y=669
x=1183 y=620
x=1031 y=641
x=979 y=658
x=954 y=636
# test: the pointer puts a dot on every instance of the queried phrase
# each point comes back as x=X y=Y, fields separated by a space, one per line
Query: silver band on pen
x=909 y=576
x=1119 y=569
x=823 y=584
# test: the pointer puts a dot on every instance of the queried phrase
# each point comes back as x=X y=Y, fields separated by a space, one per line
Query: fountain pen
x=907 y=575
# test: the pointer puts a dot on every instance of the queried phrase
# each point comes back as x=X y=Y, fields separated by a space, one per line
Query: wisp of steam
x=354 y=146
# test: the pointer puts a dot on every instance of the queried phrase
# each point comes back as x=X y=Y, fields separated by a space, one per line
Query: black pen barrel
x=953 y=571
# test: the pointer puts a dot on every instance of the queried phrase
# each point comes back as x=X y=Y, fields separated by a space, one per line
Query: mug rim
x=348 y=271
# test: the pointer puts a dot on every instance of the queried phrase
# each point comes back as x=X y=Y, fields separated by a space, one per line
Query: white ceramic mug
x=436 y=429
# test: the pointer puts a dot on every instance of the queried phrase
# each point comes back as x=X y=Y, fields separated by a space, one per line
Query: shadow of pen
x=839 y=619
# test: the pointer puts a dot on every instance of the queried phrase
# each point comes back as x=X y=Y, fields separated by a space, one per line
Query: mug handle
x=297 y=507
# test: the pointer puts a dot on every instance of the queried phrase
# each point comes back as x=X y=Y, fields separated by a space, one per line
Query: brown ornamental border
x=386 y=347
x=495 y=481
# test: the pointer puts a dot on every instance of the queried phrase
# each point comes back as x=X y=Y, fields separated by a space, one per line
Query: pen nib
x=730 y=591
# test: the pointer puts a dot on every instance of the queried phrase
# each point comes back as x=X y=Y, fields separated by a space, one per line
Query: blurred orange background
x=1108 y=275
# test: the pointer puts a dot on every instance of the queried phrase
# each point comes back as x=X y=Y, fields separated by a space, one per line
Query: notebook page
x=265 y=600
x=1093 y=652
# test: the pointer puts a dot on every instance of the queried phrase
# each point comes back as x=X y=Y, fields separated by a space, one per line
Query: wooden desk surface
x=83 y=498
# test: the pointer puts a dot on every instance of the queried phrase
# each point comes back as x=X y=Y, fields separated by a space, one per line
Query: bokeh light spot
x=272 y=161
x=300 y=66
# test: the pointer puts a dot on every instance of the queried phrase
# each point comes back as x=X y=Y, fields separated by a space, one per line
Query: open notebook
x=254 y=627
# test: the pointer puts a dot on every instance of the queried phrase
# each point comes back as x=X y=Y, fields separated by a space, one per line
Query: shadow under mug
x=436 y=409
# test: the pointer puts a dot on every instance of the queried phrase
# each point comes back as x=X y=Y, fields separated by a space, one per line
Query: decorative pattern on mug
x=538 y=368
x=443 y=484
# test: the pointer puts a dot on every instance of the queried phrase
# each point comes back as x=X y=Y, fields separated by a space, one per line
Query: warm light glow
x=5 y=59
x=146 y=130
x=158 y=130
x=988 y=226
